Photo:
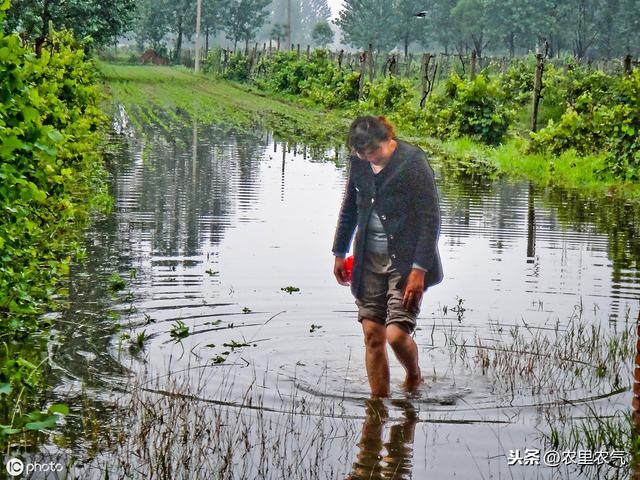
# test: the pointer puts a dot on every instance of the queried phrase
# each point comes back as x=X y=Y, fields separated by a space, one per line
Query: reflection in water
x=372 y=462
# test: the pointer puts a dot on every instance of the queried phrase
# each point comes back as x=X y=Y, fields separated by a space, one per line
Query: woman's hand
x=414 y=289
x=340 y=272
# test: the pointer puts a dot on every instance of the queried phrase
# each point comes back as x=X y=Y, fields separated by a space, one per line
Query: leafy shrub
x=467 y=108
x=315 y=78
x=516 y=84
x=213 y=63
x=606 y=120
x=563 y=87
x=623 y=146
x=389 y=95
x=238 y=68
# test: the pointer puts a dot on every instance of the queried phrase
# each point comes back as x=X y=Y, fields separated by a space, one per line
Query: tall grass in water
x=552 y=360
x=171 y=430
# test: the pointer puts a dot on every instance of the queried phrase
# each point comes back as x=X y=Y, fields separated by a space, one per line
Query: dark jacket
x=405 y=198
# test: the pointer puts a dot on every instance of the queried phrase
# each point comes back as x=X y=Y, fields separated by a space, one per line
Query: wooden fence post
x=278 y=47
x=308 y=52
x=474 y=60
x=427 y=85
x=369 y=57
x=627 y=65
x=225 y=60
x=391 y=65
x=537 y=89
x=298 y=50
x=363 y=66
x=340 y=57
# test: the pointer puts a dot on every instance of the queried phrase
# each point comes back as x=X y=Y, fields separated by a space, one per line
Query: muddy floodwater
x=223 y=240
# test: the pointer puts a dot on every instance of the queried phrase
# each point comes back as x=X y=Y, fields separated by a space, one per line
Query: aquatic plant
x=290 y=289
x=179 y=330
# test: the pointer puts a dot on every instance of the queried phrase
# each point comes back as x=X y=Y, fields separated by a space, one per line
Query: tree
x=628 y=26
x=322 y=34
x=584 y=24
x=365 y=22
x=212 y=13
x=152 y=23
x=472 y=19
x=312 y=12
x=515 y=22
x=183 y=13
x=408 y=27
x=243 y=18
x=440 y=24
x=317 y=10
x=102 y=21
x=279 y=30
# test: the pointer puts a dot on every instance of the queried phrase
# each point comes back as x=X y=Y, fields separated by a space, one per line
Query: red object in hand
x=348 y=267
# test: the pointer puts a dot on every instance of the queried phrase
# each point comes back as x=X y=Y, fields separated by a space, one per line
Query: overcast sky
x=335 y=7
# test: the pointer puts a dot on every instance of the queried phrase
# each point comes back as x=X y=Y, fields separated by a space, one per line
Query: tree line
x=583 y=28
x=154 y=23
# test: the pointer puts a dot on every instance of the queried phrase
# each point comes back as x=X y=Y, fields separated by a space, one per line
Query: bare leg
x=375 y=340
x=406 y=352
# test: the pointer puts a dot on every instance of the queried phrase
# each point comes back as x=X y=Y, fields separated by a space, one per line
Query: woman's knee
x=397 y=336
x=375 y=335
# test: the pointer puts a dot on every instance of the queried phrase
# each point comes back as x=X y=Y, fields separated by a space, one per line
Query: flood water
x=210 y=226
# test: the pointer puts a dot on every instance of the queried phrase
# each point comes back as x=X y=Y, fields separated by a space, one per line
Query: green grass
x=146 y=91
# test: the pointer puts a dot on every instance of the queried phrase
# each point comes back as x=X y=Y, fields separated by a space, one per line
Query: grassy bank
x=162 y=95
x=150 y=92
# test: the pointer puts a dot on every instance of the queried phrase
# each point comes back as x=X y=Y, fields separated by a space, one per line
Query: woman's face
x=380 y=154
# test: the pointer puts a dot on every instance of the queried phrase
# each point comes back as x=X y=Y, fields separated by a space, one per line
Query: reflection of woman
x=397 y=463
x=391 y=198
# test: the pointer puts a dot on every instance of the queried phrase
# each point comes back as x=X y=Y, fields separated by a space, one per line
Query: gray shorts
x=381 y=299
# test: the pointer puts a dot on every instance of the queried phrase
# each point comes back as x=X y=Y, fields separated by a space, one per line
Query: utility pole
x=198 y=18
x=288 y=23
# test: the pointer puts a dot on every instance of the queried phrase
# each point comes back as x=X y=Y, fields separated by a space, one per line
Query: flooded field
x=207 y=334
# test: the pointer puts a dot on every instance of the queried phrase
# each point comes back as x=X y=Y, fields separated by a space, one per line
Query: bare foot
x=411 y=384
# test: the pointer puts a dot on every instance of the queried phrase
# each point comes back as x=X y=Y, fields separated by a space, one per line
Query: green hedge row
x=588 y=111
x=50 y=177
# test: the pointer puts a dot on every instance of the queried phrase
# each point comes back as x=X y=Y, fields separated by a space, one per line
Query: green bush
x=467 y=108
x=607 y=119
x=213 y=63
x=49 y=108
x=516 y=84
x=563 y=87
x=238 y=68
x=389 y=95
x=316 y=78
x=623 y=146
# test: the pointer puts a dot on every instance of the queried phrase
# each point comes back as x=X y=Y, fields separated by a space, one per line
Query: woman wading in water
x=391 y=198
